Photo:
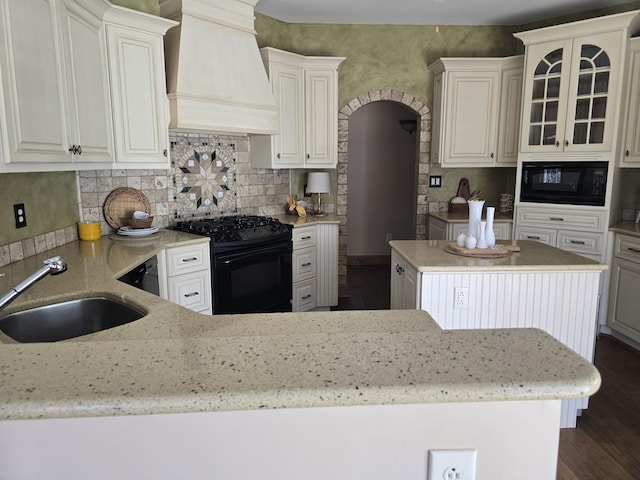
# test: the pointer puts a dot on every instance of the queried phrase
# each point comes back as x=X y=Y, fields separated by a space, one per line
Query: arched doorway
x=343 y=160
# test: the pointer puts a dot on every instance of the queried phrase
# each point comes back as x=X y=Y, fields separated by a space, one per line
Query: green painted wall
x=386 y=56
x=49 y=199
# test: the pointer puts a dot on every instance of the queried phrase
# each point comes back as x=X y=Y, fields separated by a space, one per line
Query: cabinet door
x=136 y=62
x=471 y=118
x=624 y=302
x=510 y=113
x=87 y=85
x=631 y=146
x=437 y=229
x=191 y=290
x=34 y=91
x=595 y=66
x=321 y=119
x=404 y=284
x=545 y=94
x=288 y=89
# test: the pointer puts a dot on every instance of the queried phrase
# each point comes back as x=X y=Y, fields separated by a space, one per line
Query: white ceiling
x=426 y=12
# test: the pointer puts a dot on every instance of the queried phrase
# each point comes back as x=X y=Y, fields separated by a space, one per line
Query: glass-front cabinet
x=570 y=91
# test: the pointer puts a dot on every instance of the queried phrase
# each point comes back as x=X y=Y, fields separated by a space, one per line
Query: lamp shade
x=318 y=182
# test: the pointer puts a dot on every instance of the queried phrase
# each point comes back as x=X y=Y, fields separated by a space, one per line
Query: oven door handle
x=227 y=258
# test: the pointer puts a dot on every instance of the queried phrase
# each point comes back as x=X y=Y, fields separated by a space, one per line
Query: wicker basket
x=140 y=222
x=120 y=205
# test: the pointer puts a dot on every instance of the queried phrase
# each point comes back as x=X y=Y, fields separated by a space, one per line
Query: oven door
x=253 y=280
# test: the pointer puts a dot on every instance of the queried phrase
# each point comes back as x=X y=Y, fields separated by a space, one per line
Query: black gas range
x=250 y=262
x=238 y=231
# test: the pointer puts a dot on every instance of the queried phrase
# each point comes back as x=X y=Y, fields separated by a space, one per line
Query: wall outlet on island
x=452 y=465
x=461 y=297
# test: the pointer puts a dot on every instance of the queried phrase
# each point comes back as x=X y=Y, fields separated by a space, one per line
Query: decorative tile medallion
x=204 y=176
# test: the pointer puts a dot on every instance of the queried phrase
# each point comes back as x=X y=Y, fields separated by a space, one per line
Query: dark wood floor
x=606 y=443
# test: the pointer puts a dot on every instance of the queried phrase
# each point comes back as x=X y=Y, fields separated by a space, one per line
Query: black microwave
x=570 y=183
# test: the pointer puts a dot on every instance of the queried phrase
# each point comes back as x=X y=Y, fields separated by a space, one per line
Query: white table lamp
x=318 y=182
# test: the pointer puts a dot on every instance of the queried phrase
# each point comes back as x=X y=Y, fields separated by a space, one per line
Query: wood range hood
x=216 y=80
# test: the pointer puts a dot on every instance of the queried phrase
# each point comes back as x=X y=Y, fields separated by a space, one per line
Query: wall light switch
x=435 y=181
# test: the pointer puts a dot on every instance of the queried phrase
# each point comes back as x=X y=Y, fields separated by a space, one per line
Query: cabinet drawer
x=627 y=247
x=303 y=237
x=191 y=290
x=304 y=295
x=304 y=263
x=543 y=235
x=579 y=242
x=189 y=258
x=561 y=218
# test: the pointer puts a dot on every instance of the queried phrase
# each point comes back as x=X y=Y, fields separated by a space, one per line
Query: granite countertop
x=177 y=361
x=628 y=227
x=297 y=221
x=429 y=256
x=464 y=217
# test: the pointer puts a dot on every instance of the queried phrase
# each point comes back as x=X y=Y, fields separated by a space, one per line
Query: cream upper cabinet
x=476 y=111
x=58 y=110
x=306 y=90
x=572 y=85
x=140 y=120
x=630 y=148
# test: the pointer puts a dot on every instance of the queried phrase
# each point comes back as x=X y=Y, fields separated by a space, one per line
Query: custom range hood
x=216 y=80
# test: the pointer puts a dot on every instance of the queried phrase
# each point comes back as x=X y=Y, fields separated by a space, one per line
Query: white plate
x=136 y=232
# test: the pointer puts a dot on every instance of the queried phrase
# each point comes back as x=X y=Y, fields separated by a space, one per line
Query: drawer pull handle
x=634 y=250
x=187 y=260
x=306 y=297
x=556 y=219
x=577 y=242
x=533 y=237
x=192 y=294
x=308 y=237
x=307 y=264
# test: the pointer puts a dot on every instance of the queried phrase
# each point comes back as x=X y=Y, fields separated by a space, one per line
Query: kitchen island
x=313 y=395
x=540 y=286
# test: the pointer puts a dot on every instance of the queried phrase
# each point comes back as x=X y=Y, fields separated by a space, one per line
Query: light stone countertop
x=177 y=361
x=429 y=256
x=627 y=227
x=464 y=217
x=297 y=221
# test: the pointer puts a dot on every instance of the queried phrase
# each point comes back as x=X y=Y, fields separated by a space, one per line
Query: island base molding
x=371 y=442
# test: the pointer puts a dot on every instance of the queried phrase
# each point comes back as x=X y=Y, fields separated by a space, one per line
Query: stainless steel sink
x=60 y=321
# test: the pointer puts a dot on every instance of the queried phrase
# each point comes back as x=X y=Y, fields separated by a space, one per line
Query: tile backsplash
x=210 y=176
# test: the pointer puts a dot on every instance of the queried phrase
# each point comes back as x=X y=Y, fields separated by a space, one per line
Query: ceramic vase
x=482 y=241
x=489 y=234
x=475 y=214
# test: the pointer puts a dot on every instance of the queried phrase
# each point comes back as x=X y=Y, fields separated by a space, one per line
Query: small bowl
x=139 y=214
x=140 y=222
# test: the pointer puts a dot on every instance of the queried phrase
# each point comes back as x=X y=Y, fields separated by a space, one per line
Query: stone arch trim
x=343 y=160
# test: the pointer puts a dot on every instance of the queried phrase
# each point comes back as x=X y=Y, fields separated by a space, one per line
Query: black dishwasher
x=144 y=276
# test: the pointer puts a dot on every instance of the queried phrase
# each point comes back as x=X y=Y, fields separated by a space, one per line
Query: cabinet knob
x=308 y=156
x=557 y=144
x=626 y=153
x=278 y=156
x=492 y=155
x=73 y=149
x=164 y=152
x=79 y=151
x=566 y=143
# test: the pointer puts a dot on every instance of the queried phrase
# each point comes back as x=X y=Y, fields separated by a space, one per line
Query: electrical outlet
x=461 y=297
x=435 y=181
x=452 y=465
x=20 y=215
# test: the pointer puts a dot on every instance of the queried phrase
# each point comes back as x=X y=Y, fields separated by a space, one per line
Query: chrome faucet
x=53 y=266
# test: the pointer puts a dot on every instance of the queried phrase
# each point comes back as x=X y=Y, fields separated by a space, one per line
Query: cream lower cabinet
x=315 y=267
x=624 y=301
x=578 y=230
x=306 y=90
x=405 y=284
x=59 y=77
x=185 y=276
